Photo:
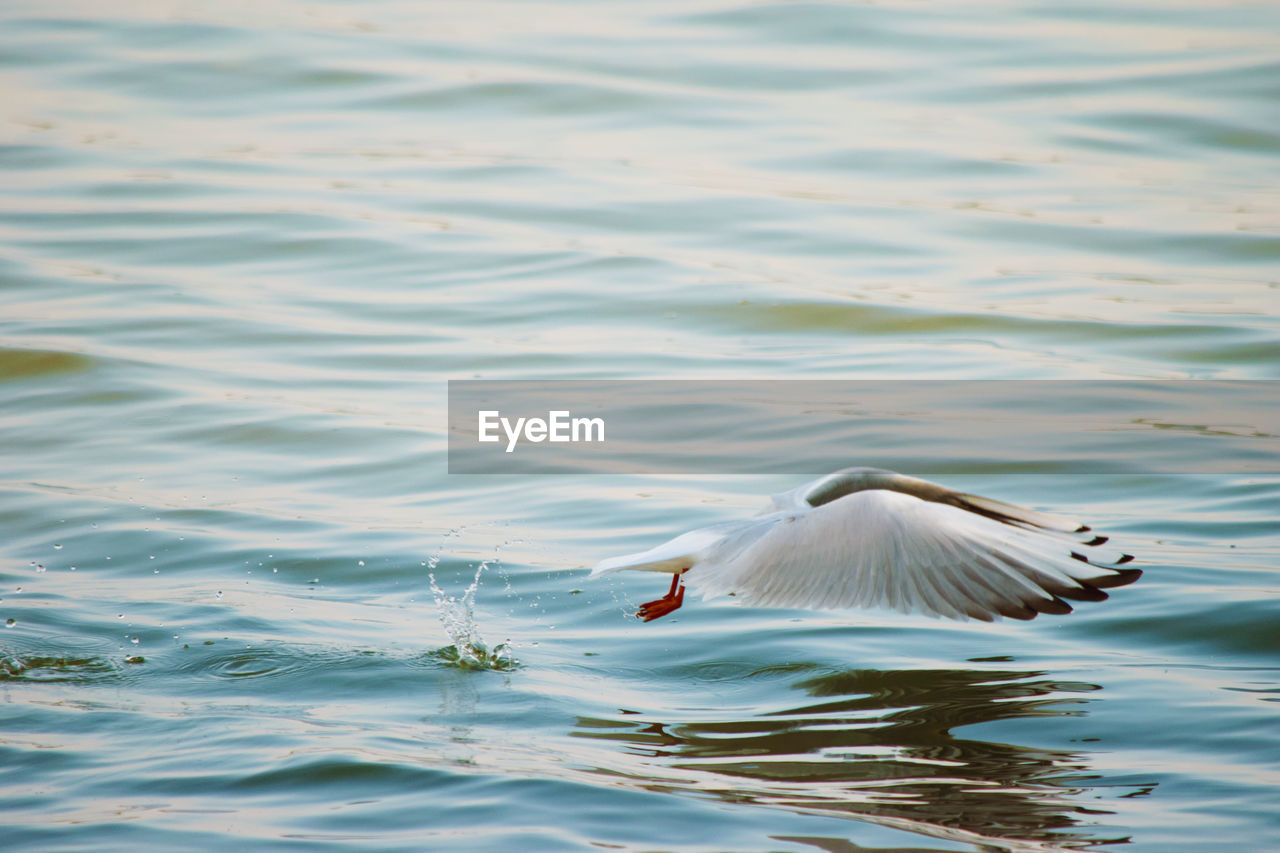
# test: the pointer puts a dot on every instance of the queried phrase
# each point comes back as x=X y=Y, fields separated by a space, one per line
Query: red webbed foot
x=660 y=607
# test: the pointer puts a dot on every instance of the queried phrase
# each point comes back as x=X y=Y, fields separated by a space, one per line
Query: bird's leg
x=658 y=608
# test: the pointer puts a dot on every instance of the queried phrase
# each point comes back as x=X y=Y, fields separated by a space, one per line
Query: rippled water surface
x=244 y=246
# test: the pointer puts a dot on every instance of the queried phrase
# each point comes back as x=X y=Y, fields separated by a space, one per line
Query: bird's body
x=863 y=537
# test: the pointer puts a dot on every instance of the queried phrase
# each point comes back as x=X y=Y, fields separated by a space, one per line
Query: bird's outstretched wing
x=879 y=547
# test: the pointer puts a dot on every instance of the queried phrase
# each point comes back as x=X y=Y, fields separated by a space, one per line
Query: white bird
x=864 y=537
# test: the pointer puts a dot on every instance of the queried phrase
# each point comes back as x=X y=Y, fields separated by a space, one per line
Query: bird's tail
x=673 y=556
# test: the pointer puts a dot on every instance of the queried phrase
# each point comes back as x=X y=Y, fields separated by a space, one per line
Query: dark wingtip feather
x=1015 y=610
x=1054 y=606
x=1122 y=577
x=1085 y=592
x=1084 y=528
x=1124 y=558
x=1097 y=540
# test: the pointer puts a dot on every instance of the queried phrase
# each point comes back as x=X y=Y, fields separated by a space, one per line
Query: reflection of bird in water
x=879 y=746
x=863 y=537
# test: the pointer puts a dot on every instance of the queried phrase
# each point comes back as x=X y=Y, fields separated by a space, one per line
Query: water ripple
x=243 y=248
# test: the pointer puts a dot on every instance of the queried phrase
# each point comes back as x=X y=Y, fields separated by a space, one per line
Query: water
x=242 y=248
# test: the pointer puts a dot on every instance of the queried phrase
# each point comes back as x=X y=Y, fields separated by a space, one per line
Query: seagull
x=866 y=537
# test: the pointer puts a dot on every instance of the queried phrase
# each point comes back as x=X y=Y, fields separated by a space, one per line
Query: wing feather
x=886 y=548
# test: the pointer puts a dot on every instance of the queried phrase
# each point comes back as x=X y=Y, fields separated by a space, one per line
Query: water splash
x=469 y=650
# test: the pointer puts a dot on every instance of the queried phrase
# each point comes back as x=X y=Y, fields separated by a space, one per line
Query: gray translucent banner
x=817 y=426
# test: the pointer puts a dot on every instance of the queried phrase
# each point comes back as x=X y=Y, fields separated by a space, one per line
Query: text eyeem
x=559 y=426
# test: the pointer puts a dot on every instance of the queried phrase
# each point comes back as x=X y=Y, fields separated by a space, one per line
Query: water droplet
x=362 y=562
x=119 y=615
x=73 y=568
x=219 y=595
x=9 y=623
x=41 y=569
x=134 y=640
x=152 y=557
x=274 y=570
x=57 y=547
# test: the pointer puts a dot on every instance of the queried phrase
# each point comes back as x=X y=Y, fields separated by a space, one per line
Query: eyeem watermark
x=559 y=426
x=927 y=428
